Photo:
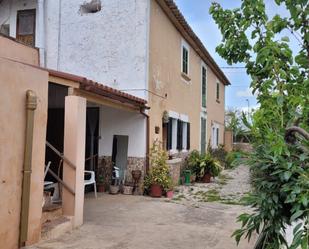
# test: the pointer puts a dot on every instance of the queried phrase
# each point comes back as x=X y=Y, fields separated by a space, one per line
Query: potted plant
x=169 y=189
x=193 y=163
x=158 y=177
x=100 y=183
x=208 y=167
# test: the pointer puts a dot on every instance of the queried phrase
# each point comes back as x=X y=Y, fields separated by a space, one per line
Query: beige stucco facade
x=15 y=79
x=170 y=91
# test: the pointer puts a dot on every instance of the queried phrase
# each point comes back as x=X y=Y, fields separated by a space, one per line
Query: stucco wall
x=165 y=80
x=18 y=52
x=15 y=80
x=215 y=109
x=119 y=122
x=109 y=46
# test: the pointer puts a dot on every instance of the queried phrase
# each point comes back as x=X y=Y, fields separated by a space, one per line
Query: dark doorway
x=55 y=125
x=120 y=153
x=92 y=138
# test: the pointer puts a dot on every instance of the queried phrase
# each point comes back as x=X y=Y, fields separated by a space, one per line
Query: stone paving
x=229 y=188
x=139 y=222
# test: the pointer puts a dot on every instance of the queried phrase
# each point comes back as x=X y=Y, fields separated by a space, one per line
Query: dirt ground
x=125 y=222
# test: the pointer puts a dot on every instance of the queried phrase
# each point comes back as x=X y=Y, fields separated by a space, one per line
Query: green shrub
x=159 y=172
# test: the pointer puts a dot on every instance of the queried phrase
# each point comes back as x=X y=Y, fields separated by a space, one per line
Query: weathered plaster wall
x=8 y=13
x=109 y=46
x=18 y=52
x=215 y=109
x=15 y=80
x=118 y=122
x=165 y=79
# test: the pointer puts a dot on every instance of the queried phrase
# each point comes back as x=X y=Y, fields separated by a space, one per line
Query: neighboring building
x=145 y=48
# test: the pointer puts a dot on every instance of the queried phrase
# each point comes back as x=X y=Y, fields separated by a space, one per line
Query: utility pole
x=248 y=109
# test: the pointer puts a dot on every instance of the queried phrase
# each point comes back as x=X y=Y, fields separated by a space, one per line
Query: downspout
x=31 y=105
x=147 y=138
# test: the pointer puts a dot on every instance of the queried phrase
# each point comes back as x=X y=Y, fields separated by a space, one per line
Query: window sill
x=185 y=77
x=218 y=101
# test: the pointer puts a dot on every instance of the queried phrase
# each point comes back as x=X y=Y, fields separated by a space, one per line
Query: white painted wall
x=119 y=122
x=109 y=46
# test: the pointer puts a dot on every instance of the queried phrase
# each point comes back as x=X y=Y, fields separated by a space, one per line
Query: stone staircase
x=54 y=223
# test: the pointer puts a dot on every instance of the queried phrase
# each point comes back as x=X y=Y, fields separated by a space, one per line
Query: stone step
x=51 y=212
x=52 y=229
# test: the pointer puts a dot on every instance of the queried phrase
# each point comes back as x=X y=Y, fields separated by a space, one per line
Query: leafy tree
x=280 y=195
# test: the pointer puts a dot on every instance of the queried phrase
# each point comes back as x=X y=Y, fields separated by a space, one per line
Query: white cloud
x=245 y=93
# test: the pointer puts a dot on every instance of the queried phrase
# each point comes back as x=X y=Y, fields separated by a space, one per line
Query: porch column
x=74 y=150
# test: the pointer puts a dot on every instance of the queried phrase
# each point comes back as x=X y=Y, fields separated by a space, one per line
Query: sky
x=197 y=15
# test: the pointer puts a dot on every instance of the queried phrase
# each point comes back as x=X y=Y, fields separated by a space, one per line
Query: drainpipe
x=147 y=138
x=41 y=31
x=31 y=104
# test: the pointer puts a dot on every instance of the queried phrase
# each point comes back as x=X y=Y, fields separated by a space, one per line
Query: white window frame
x=203 y=65
x=185 y=45
x=184 y=136
x=215 y=126
x=175 y=117
x=203 y=115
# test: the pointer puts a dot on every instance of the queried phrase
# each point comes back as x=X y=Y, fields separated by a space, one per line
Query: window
x=204 y=78
x=185 y=55
x=184 y=58
x=215 y=136
x=178 y=135
x=203 y=135
x=25 y=29
x=218 y=91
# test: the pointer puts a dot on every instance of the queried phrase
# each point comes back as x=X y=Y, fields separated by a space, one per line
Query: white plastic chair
x=116 y=178
x=51 y=185
x=91 y=181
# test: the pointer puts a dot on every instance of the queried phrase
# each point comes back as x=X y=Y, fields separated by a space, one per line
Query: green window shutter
x=185 y=55
x=218 y=91
x=179 y=134
x=169 y=134
x=188 y=136
x=204 y=78
x=203 y=135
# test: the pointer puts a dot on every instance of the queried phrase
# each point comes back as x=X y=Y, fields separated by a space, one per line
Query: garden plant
x=280 y=161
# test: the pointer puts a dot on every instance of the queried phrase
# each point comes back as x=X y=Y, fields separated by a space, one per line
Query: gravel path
x=229 y=188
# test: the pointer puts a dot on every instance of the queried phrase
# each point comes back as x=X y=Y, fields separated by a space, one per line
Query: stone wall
x=133 y=163
x=246 y=147
x=175 y=169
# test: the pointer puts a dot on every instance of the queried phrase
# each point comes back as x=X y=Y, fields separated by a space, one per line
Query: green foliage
x=280 y=80
x=203 y=164
x=219 y=154
x=159 y=172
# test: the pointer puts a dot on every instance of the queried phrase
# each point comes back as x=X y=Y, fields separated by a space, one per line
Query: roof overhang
x=95 y=90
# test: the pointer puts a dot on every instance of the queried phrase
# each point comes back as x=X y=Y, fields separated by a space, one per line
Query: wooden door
x=25 y=28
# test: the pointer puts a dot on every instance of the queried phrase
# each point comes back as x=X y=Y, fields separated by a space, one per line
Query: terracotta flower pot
x=206 y=178
x=156 y=190
x=101 y=188
x=170 y=194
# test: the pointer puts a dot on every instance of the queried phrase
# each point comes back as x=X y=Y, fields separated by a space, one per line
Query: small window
x=5 y=29
x=204 y=78
x=185 y=58
x=218 y=91
x=25 y=30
